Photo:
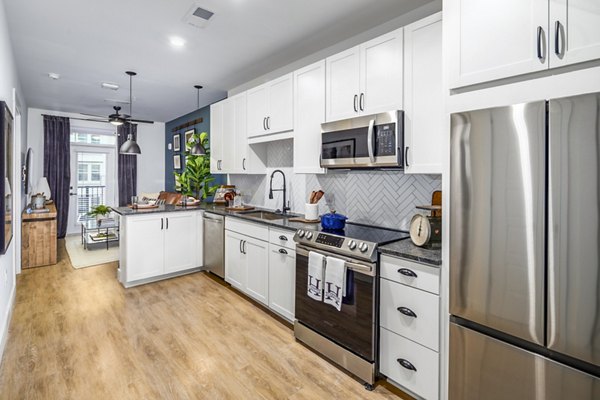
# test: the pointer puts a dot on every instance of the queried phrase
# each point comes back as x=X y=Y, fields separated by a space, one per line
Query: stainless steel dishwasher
x=214 y=244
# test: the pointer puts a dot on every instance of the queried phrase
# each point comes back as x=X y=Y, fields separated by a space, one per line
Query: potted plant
x=100 y=212
x=195 y=180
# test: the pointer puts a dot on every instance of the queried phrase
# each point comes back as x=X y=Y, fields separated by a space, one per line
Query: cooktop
x=355 y=240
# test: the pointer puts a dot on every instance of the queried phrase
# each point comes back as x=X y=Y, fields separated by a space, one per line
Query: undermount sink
x=268 y=215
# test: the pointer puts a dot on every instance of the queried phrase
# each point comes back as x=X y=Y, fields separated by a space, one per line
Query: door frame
x=109 y=150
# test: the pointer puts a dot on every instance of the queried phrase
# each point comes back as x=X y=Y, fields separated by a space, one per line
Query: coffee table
x=103 y=231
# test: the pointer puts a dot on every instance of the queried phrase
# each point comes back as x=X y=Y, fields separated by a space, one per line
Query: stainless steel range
x=347 y=337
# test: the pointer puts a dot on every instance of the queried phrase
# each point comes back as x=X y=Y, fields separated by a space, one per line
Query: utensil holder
x=311 y=211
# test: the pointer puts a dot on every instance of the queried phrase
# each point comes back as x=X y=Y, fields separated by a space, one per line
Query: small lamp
x=44 y=187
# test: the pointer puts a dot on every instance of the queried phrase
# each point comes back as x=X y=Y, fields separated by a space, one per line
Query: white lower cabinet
x=157 y=245
x=410 y=365
x=247 y=259
x=409 y=326
x=261 y=262
x=282 y=280
x=256 y=253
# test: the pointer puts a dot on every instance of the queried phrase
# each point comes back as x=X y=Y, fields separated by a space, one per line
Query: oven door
x=363 y=142
x=353 y=327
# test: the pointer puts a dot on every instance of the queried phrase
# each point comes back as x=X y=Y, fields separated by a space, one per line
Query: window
x=93 y=136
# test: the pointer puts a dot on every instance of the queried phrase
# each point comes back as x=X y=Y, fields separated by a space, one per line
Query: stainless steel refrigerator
x=524 y=251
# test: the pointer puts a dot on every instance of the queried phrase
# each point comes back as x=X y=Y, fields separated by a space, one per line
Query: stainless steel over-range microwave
x=370 y=141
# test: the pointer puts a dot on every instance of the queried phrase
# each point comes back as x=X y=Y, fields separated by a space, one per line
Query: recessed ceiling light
x=53 y=75
x=176 y=41
x=111 y=86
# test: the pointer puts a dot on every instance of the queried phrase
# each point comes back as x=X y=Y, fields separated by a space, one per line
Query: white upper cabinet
x=575 y=31
x=270 y=107
x=381 y=74
x=216 y=137
x=309 y=102
x=495 y=39
x=365 y=79
x=343 y=84
x=423 y=96
x=230 y=152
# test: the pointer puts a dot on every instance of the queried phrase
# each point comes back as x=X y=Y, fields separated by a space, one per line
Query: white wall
x=151 y=138
x=151 y=163
x=9 y=90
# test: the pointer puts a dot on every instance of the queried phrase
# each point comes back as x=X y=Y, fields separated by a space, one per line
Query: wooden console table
x=39 y=238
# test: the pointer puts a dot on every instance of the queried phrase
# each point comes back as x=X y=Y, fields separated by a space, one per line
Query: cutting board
x=242 y=208
x=304 y=220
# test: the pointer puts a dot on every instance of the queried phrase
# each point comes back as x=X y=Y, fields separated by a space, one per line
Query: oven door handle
x=370 y=140
x=360 y=268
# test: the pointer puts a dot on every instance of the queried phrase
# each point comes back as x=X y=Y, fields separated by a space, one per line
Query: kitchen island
x=158 y=243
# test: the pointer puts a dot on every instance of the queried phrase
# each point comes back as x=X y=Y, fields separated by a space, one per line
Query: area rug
x=81 y=258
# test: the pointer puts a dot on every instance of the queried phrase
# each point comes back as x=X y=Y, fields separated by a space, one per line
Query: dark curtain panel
x=57 y=166
x=127 y=166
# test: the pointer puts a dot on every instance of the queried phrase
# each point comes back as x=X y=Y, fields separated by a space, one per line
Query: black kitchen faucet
x=284 y=209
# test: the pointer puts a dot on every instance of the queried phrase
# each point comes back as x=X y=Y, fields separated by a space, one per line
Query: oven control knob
x=309 y=235
x=363 y=247
x=352 y=245
x=300 y=233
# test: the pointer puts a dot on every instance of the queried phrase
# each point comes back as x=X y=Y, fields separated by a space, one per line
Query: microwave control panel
x=385 y=140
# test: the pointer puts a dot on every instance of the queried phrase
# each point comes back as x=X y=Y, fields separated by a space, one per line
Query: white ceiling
x=92 y=41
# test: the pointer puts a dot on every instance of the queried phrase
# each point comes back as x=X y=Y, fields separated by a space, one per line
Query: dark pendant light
x=130 y=147
x=197 y=148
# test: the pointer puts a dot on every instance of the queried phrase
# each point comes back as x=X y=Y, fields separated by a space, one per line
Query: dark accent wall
x=203 y=113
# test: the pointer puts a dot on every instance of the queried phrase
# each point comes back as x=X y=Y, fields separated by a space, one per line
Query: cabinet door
x=257 y=100
x=282 y=281
x=574 y=31
x=280 y=117
x=495 y=39
x=343 y=84
x=145 y=247
x=228 y=137
x=241 y=136
x=423 y=96
x=235 y=264
x=180 y=241
x=381 y=74
x=309 y=102
x=256 y=253
x=216 y=137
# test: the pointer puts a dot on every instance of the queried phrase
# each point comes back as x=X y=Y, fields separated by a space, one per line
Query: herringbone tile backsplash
x=384 y=198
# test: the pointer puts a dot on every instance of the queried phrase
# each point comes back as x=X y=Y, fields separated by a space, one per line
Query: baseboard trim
x=6 y=322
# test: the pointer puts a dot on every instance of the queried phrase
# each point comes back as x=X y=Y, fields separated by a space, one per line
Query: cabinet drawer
x=399 y=302
x=282 y=238
x=411 y=273
x=424 y=381
x=258 y=231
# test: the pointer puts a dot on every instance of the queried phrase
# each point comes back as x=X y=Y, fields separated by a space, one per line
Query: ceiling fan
x=117 y=118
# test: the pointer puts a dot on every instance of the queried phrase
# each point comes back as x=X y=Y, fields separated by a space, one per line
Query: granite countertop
x=283 y=223
x=407 y=249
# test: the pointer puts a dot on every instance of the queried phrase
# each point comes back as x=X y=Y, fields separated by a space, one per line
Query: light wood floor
x=77 y=334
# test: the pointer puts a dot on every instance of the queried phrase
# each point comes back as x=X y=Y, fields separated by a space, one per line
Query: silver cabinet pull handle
x=361 y=102
x=282 y=237
x=355 y=103
x=167 y=223
x=264 y=123
x=162 y=224
x=540 y=38
x=244 y=164
x=407 y=311
x=558 y=30
x=406 y=156
x=268 y=123
x=406 y=364
x=283 y=251
x=407 y=272
x=241 y=251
